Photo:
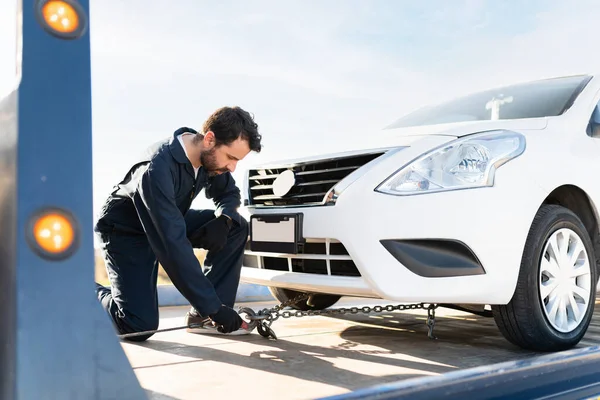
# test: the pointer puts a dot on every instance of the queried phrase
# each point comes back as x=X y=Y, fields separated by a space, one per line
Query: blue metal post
x=57 y=343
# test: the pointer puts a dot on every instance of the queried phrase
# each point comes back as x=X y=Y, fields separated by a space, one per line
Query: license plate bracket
x=277 y=233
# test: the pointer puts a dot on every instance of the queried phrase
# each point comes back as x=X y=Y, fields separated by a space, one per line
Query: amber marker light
x=53 y=234
x=62 y=18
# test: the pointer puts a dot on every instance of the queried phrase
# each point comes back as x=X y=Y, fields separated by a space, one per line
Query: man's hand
x=212 y=236
x=229 y=320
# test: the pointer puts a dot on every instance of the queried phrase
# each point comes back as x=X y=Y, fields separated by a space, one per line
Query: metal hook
x=252 y=316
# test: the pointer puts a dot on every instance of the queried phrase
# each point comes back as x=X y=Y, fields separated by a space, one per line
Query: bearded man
x=147 y=220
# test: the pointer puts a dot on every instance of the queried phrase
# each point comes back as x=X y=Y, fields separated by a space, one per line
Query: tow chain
x=265 y=317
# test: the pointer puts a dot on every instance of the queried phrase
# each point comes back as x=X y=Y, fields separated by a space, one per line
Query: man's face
x=219 y=159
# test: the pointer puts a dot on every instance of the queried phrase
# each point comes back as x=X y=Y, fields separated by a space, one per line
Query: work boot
x=192 y=318
x=199 y=324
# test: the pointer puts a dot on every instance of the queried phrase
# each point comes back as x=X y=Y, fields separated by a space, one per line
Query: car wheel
x=555 y=295
x=320 y=301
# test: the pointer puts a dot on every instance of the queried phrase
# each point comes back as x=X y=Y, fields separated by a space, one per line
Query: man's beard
x=209 y=162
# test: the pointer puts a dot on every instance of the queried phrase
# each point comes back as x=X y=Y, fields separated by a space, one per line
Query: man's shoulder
x=157 y=153
x=167 y=150
x=158 y=149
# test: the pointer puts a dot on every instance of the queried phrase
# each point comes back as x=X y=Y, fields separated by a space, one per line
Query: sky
x=319 y=76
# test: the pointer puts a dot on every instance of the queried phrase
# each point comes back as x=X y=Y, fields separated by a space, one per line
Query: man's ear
x=209 y=139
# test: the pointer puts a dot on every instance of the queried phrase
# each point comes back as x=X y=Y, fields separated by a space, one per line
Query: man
x=147 y=220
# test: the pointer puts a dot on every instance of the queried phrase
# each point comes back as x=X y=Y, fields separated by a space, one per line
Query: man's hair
x=229 y=123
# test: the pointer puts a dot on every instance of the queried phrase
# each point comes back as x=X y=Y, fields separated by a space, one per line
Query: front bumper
x=340 y=285
x=491 y=224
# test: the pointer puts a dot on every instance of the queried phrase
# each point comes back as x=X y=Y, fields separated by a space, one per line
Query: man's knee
x=242 y=228
x=128 y=322
x=137 y=325
x=139 y=338
x=239 y=231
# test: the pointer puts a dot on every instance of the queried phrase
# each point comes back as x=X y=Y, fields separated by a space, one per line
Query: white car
x=487 y=200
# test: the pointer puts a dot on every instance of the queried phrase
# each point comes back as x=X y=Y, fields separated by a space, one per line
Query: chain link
x=267 y=316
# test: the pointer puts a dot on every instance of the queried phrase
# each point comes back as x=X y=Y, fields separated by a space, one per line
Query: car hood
x=389 y=138
x=459 y=129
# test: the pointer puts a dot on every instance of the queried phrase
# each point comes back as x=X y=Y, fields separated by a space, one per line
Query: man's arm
x=226 y=196
x=166 y=230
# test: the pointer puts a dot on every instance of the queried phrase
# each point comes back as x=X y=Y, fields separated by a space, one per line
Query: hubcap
x=565 y=280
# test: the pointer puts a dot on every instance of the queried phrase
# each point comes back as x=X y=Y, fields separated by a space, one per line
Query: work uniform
x=147 y=220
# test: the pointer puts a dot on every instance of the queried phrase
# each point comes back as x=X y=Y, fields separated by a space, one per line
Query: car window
x=593 y=127
x=8 y=47
x=537 y=99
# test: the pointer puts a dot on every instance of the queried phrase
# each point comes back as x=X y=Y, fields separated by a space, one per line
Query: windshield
x=543 y=98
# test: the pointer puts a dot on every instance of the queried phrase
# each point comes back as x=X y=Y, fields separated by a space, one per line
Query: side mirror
x=594 y=128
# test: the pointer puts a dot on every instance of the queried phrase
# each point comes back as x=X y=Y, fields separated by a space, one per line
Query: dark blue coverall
x=147 y=220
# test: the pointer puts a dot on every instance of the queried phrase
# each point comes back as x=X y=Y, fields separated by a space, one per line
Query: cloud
x=546 y=40
x=302 y=47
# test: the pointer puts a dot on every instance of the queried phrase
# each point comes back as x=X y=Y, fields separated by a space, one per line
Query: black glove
x=228 y=319
x=212 y=236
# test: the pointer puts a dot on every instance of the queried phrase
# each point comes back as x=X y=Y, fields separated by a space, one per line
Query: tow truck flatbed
x=319 y=356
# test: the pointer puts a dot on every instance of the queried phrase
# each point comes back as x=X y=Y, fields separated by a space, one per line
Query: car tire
x=320 y=301
x=527 y=320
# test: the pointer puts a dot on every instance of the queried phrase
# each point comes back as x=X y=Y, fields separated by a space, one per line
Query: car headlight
x=467 y=162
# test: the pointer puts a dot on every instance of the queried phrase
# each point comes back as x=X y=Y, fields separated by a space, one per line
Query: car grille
x=316 y=256
x=314 y=179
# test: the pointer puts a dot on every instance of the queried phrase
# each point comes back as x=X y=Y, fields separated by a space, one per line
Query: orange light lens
x=53 y=233
x=60 y=16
